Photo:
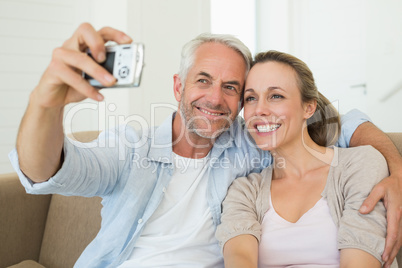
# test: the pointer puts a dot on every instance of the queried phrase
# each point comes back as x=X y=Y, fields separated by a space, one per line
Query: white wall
x=384 y=68
x=164 y=26
x=236 y=17
x=31 y=29
x=91 y=115
x=273 y=25
x=350 y=45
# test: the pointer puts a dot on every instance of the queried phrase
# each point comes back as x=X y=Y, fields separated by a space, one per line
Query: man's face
x=210 y=98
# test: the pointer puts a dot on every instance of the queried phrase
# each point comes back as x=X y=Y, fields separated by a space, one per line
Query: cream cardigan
x=352 y=175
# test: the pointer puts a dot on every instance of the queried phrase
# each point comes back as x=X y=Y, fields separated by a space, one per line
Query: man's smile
x=210 y=112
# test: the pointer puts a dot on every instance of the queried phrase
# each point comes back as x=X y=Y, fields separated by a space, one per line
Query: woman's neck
x=300 y=157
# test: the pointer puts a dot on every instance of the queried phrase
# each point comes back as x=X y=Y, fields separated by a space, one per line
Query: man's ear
x=177 y=87
x=309 y=109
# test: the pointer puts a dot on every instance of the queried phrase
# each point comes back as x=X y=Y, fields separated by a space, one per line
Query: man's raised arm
x=40 y=137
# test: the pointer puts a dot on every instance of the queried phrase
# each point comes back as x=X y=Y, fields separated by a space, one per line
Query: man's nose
x=215 y=94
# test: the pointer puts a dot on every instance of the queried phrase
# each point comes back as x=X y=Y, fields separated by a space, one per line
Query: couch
x=51 y=231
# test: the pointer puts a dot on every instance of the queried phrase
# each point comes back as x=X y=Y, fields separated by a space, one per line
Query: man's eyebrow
x=205 y=74
x=234 y=82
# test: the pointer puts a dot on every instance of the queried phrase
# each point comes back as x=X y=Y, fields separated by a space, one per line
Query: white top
x=181 y=232
x=309 y=242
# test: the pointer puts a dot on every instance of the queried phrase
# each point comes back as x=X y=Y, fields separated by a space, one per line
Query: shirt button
x=139 y=221
x=164 y=189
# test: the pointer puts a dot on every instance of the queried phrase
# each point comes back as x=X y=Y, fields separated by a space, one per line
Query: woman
x=302 y=211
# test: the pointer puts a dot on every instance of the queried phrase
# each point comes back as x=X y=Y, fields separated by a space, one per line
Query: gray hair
x=188 y=51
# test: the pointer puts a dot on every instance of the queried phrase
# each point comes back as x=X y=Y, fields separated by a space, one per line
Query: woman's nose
x=262 y=108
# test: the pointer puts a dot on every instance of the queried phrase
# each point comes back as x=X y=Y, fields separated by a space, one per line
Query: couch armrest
x=22 y=221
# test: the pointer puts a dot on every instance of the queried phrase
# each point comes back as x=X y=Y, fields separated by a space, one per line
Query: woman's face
x=273 y=108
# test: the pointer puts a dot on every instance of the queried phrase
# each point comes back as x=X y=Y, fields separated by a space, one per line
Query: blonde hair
x=324 y=126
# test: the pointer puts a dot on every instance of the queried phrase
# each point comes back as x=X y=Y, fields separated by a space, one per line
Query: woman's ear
x=309 y=108
x=177 y=87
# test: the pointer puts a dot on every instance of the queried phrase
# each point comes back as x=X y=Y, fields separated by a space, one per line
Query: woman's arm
x=242 y=252
x=356 y=258
x=240 y=228
x=361 y=169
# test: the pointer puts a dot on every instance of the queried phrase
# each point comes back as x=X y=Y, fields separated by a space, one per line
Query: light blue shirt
x=131 y=173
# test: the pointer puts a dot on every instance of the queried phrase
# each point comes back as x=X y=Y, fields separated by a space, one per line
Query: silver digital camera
x=124 y=62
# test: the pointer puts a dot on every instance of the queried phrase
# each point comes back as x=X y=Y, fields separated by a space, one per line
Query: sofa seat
x=27 y=264
x=51 y=231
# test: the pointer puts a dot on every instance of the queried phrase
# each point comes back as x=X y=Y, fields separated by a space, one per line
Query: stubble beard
x=201 y=126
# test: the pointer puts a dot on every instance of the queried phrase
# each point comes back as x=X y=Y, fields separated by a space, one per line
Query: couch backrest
x=22 y=221
x=397 y=140
x=72 y=223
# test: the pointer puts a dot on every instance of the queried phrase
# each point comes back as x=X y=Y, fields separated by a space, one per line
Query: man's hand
x=40 y=137
x=62 y=82
x=390 y=191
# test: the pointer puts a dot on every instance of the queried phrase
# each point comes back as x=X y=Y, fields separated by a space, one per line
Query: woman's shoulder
x=362 y=163
x=366 y=155
x=254 y=182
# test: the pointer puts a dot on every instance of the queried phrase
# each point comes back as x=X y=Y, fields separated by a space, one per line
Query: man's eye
x=230 y=90
x=204 y=81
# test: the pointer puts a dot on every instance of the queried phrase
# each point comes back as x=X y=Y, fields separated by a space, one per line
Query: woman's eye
x=276 y=96
x=250 y=98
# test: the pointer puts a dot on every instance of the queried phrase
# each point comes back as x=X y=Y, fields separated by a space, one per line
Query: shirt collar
x=161 y=140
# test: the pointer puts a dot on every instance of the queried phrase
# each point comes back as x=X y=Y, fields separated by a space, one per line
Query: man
x=162 y=198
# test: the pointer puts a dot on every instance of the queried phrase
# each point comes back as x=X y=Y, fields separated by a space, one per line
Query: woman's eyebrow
x=273 y=88
x=268 y=89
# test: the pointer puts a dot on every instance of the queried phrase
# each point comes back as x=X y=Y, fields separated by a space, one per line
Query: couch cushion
x=27 y=264
x=22 y=221
x=72 y=223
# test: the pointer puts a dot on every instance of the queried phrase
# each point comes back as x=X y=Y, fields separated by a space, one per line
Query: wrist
x=395 y=169
x=38 y=102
